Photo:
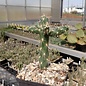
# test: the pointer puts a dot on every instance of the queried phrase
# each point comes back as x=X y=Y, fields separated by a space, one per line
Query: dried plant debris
x=54 y=75
x=77 y=77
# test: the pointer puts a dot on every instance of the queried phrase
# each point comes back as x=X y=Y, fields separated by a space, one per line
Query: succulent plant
x=78 y=75
x=2 y=35
x=83 y=63
x=71 y=38
x=78 y=37
x=42 y=28
x=19 y=53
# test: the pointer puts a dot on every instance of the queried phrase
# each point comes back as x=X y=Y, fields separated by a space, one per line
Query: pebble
x=54 y=75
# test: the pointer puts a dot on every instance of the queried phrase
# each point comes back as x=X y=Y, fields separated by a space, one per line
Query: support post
x=84 y=17
x=6 y=6
x=56 y=10
x=25 y=10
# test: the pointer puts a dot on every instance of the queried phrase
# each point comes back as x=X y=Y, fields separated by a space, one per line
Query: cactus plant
x=71 y=38
x=44 y=38
x=2 y=35
x=42 y=28
x=83 y=63
x=76 y=37
x=78 y=77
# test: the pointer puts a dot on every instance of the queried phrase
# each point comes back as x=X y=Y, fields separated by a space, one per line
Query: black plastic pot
x=81 y=48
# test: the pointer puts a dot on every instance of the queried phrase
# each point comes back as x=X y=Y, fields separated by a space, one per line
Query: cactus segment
x=80 y=33
x=62 y=36
x=44 y=37
x=33 y=29
x=58 y=31
x=72 y=38
x=81 y=42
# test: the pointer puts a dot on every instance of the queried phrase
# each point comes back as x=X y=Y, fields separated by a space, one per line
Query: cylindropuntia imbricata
x=42 y=28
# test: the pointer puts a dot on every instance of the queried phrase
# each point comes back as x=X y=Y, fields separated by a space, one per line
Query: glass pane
x=33 y=3
x=2 y=2
x=16 y=13
x=46 y=12
x=3 y=14
x=16 y=2
x=33 y=13
x=45 y=3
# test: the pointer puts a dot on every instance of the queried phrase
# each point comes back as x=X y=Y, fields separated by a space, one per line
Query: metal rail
x=22 y=38
x=64 y=50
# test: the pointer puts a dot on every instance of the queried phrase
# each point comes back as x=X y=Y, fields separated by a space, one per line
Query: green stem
x=44 y=53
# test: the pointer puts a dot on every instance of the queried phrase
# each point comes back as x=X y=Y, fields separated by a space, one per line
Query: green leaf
x=78 y=26
x=71 y=38
x=80 y=33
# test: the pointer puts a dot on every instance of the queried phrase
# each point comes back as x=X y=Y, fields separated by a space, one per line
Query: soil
x=72 y=16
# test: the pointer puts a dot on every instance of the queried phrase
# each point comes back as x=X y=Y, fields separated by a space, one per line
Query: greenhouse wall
x=17 y=10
